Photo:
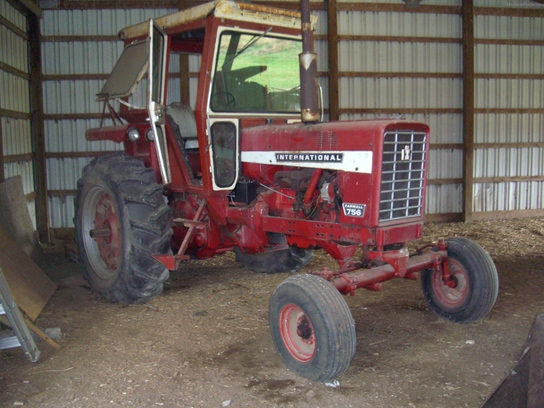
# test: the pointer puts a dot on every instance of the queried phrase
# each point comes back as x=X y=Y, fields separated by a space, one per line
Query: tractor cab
x=249 y=75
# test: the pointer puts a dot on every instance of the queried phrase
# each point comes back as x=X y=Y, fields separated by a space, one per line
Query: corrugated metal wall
x=393 y=61
x=397 y=63
x=79 y=50
x=15 y=126
x=509 y=121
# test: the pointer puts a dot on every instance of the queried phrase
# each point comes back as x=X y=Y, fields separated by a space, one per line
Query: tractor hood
x=346 y=146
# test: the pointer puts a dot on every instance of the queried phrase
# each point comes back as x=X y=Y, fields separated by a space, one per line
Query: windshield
x=256 y=73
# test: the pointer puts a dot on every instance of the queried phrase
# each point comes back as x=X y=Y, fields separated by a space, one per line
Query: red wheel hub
x=297 y=333
x=456 y=291
x=106 y=221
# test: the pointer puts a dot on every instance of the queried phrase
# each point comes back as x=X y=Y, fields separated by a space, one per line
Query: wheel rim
x=455 y=296
x=297 y=333
x=102 y=233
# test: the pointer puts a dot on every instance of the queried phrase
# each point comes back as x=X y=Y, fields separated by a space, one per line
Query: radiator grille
x=403 y=170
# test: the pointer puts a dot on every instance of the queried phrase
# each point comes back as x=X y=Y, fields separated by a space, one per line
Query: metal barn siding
x=392 y=61
x=79 y=48
x=397 y=63
x=509 y=113
x=15 y=117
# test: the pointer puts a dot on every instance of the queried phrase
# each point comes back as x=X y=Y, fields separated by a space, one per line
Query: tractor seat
x=184 y=117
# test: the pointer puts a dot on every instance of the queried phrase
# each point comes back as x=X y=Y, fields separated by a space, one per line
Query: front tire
x=312 y=327
x=476 y=283
x=121 y=221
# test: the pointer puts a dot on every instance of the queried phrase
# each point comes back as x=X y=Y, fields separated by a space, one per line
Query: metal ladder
x=23 y=338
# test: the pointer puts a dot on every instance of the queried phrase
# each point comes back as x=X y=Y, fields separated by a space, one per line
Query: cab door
x=157 y=47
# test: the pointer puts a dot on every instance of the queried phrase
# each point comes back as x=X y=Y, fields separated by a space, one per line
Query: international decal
x=309 y=157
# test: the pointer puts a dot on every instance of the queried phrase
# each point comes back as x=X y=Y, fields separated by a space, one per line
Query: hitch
x=171 y=262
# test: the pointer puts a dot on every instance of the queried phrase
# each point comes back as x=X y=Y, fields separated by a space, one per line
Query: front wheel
x=476 y=283
x=312 y=327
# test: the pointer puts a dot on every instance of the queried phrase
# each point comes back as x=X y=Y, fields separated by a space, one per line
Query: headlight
x=133 y=134
x=149 y=135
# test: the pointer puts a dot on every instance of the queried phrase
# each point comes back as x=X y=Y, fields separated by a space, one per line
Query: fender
x=117 y=133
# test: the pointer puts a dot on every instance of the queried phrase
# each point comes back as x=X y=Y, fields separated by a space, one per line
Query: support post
x=468 y=109
x=2 y=176
x=38 y=134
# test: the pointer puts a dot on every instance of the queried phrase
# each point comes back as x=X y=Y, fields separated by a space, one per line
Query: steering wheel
x=223 y=99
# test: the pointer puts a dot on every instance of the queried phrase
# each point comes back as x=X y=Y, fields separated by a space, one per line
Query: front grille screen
x=403 y=170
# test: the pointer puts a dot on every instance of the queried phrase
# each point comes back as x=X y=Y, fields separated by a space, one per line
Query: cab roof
x=227 y=9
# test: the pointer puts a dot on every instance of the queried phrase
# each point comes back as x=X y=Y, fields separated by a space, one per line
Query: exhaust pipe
x=309 y=87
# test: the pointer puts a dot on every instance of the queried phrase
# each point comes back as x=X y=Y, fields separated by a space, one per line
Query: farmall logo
x=405 y=153
x=310 y=157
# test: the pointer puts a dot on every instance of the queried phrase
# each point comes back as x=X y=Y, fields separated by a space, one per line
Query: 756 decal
x=354 y=210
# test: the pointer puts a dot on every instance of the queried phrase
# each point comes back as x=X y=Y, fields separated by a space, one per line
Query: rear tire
x=477 y=283
x=291 y=259
x=120 y=201
x=312 y=327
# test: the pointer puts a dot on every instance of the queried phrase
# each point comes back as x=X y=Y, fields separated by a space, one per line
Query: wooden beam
x=332 y=43
x=516 y=111
x=445 y=217
x=73 y=116
x=401 y=111
x=510 y=11
x=390 y=38
x=80 y=38
x=494 y=41
x=108 y=4
x=436 y=40
x=29 y=6
x=13 y=71
x=398 y=8
x=2 y=175
x=12 y=27
x=468 y=108
x=76 y=155
x=76 y=77
x=439 y=75
x=37 y=128
x=518 y=145
x=443 y=182
x=19 y=158
x=14 y=114
x=446 y=146
x=519 y=179
x=423 y=75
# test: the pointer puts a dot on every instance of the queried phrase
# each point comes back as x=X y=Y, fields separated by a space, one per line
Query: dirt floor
x=205 y=341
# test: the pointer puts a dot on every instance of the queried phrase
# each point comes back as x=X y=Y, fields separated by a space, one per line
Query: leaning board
x=30 y=286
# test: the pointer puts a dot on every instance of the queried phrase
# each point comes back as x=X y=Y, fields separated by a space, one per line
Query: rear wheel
x=475 y=288
x=312 y=327
x=121 y=221
x=291 y=259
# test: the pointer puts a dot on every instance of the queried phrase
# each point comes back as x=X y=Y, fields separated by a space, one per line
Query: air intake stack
x=308 y=70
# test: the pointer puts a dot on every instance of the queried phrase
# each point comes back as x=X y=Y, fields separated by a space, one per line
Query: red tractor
x=251 y=169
